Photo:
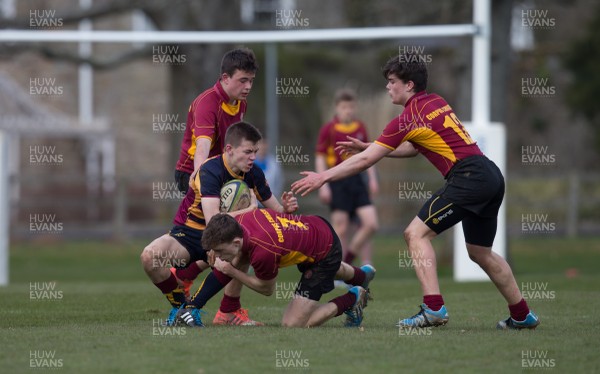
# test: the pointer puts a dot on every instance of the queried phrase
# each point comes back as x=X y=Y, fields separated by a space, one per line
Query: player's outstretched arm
x=265 y=287
x=351 y=166
x=405 y=149
x=354 y=146
x=351 y=147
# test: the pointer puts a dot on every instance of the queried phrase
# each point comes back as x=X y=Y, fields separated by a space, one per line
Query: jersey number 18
x=453 y=122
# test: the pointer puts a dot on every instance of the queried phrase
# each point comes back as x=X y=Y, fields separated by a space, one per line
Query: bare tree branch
x=63 y=55
x=98 y=64
x=98 y=10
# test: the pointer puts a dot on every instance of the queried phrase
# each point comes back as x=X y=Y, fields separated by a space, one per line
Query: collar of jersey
x=230 y=170
x=231 y=109
x=346 y=128
x=415 y=96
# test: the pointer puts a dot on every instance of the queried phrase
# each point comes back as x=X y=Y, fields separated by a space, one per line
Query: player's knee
x=341 y=230
x=144 y=256
x=147 y=256
x=478 y=255
x=291 y=323
x=409 y=235
x=474 y=257
x=285 y=323
x=372 y=226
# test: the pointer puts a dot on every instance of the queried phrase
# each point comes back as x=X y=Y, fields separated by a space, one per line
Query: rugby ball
x=235 y=195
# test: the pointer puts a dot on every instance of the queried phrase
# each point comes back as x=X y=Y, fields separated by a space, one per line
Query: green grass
x=103 y=323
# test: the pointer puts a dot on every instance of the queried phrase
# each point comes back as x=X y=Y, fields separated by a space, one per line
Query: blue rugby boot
x=191 y=316
x=426 y=318
x=531 y=322
x=369 y=275
x=172 y=318
x=354 y=315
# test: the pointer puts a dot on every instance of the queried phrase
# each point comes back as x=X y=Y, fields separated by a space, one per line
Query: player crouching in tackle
x=268 y=240
x=182 y=245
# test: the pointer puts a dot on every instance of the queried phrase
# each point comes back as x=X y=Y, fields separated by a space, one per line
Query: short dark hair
x=240 y=131
x=407 y=67
x=239 y=59
x=345 y=94
x=222 y=228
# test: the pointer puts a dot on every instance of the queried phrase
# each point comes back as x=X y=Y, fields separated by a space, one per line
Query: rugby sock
x=344 y=302
x=519 y=311
x=172 y=291
x=230 y=304
x=434 y=302
x=189 y=273
x=358 y=278
x=349 y=257
x=214 y=282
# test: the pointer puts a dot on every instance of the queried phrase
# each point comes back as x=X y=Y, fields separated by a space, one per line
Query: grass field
x=102 y=313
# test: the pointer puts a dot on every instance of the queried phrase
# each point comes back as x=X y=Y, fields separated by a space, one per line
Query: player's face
x=242 y=157
x=344 y=110
x=399 y=90
x=238 y=85
x=228 y=251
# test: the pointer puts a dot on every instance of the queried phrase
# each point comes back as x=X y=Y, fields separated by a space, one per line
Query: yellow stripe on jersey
x=384 y=145
x=330 y=159
x=431 y=140
x=196 y=208
x=293 y=258
x=230 y=170
x=194 y=225
x=346 y=128
x=232 y=110
x=258 y=195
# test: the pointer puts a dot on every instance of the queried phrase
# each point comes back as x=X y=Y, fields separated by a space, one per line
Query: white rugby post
x=481 y=129
x=4 y=199
x=491 y=138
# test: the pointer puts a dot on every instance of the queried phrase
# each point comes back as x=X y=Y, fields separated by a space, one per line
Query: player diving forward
x=269 y=240
x=182 y=245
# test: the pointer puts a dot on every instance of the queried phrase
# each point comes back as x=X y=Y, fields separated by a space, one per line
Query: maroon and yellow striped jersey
x=274 y=240
x=429 y=123
x=335 y=131
x=209 y=116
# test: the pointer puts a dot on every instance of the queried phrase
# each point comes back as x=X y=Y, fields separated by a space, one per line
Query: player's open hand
x=309 y=183
x=351 y=147
x=289 y=202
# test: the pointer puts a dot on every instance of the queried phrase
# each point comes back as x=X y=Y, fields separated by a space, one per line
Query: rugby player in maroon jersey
x=473 y=191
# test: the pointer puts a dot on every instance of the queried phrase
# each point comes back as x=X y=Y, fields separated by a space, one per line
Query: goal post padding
x=492 y=142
